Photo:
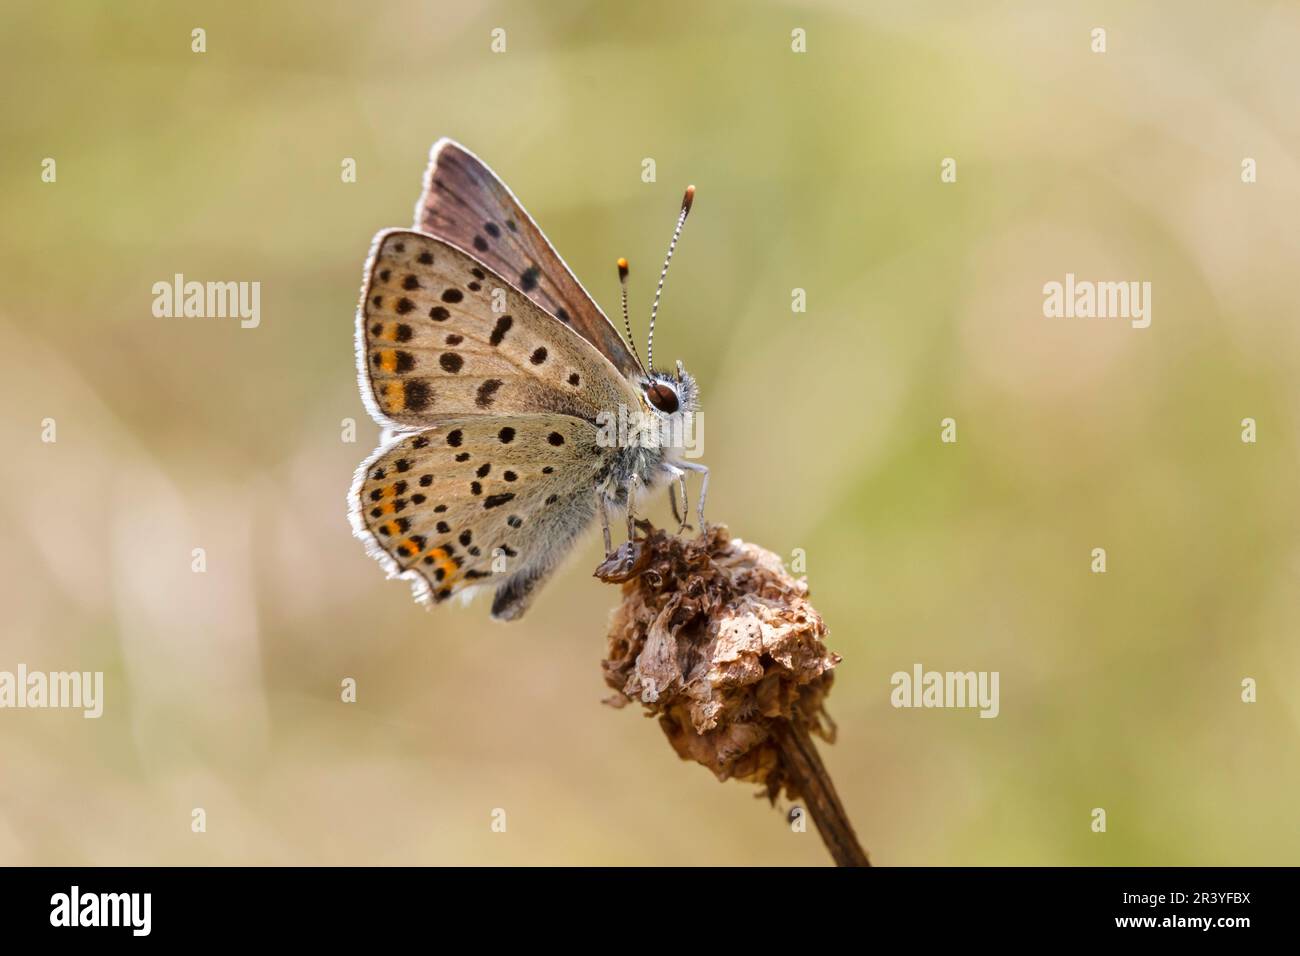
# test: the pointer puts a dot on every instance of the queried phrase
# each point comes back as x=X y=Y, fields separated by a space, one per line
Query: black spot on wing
x=500 y=329
x=487 y=392
x=417 y=395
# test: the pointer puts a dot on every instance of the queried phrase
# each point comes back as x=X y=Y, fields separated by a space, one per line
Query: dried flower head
x=716 y=639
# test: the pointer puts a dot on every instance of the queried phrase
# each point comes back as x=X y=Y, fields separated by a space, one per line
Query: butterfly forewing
x=442 y=336
x=490 y=500
x=466 y=204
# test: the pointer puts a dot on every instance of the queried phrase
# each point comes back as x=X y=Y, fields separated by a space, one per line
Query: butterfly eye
x=662 y=397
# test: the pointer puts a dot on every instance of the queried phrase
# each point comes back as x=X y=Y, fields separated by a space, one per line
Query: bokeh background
x=817 y=171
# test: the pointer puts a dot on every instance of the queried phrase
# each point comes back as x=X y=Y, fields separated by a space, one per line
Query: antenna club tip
x=622 y=268
x=688 y=199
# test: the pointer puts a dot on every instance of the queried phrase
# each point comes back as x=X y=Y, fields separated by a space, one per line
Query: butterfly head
x=671 y=393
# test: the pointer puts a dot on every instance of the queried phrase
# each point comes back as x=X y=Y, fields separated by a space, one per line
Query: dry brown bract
x=719 y=641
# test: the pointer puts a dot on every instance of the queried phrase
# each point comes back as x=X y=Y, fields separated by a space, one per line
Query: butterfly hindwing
x=481 y=501
x=465 y=203
x=442 y=336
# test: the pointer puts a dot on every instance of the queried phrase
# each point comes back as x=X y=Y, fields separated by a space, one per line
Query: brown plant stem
x=809 y=777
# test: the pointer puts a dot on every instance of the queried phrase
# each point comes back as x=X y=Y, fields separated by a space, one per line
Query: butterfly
x=514 y=412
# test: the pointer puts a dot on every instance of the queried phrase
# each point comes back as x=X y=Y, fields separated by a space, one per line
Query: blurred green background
x=817 y=171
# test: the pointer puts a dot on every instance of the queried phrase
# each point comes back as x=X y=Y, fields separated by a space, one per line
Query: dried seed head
x=716 y=639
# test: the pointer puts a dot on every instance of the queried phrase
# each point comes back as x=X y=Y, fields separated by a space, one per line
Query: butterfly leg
x=604 y=521
x=631 y=517
x=704 y=487
x=679 y=477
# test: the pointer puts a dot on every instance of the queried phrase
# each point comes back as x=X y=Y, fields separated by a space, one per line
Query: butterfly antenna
x=627 y=322
x=654 y=309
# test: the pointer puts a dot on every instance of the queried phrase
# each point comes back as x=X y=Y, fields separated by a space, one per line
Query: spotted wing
x=465 y=203
x=491 y=501
x=440 y=335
